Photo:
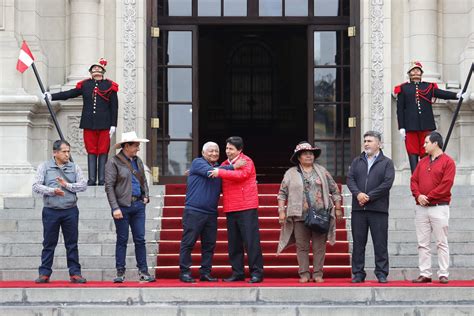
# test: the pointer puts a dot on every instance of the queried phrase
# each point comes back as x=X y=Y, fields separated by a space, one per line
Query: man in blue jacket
x=200 y=213
x=369 y=179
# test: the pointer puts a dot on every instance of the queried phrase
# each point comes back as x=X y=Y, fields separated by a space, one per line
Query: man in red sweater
x=240 y=195
x=431 y=185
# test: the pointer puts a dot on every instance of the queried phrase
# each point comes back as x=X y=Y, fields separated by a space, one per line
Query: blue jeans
x=133 y=216
x=67 y=220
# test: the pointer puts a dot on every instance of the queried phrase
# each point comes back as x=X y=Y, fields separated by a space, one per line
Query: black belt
x=136 y=198
x=439 y=204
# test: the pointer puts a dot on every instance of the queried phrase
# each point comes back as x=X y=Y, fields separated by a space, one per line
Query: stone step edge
x=107 y=274
x=261 y=296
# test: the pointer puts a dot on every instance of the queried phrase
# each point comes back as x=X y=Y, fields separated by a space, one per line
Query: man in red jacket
x=431 y=185
x=239 y=188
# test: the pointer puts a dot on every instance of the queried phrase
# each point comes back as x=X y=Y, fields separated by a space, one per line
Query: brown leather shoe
x=422 y=279
x=443 y=280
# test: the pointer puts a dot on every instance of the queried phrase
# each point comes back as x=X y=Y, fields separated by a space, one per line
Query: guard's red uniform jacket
x=100 y=103
x=414 y=109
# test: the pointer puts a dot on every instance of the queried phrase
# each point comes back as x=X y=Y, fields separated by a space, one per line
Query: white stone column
x=84 y=43
x=465 y=121
x=423 y=17
x=22 y=124
x=467 y=56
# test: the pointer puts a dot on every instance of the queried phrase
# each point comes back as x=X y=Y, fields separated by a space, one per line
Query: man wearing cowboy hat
x=99 y=116
x=415 y=111
x=127 y=192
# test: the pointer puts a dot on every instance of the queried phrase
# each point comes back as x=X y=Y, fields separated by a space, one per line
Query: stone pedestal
x=26 y=129
x=69 y=118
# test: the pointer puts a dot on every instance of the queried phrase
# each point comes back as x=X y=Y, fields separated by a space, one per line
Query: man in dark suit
x=415 y=111
x=370 y=179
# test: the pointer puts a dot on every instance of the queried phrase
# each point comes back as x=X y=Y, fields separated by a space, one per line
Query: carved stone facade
x=377 y=64
x=129 y=21
x=75 y=136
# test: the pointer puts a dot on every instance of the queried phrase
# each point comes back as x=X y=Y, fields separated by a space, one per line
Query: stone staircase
x=402 y=244
x=21 y=236
x=249 y=301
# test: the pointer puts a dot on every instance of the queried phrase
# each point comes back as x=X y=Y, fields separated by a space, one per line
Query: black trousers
x=195 y=225
x=377 y=222
x=243 y=233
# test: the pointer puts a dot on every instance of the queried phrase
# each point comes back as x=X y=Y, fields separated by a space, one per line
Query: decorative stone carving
x=377 y=64
x=75 y=136
x=2 y=15
x=129 y=64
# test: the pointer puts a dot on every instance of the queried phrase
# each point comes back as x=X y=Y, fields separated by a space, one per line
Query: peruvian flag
x=25 y=59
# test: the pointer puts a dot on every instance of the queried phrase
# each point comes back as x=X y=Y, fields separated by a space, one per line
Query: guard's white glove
x=47 y=95
x=403 y=134
x=460 y=94
x=112 y=131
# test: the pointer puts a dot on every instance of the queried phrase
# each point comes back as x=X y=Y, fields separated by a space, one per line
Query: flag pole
x=53 y=115
x=50 y=108
x=458 y=108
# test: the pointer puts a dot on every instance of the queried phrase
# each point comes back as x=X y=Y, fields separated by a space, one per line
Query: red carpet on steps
x=268 y=282
x=336 y=264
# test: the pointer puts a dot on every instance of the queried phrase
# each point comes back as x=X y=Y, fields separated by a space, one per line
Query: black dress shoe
x=207 y=278
x=422 y=279
x=186 y=278
x=382 y=279
x=234 y=278
x=256 y=279
x=357 y=280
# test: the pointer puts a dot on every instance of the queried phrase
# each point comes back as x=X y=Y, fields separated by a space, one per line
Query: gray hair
x=209 y=144
x=374 y=134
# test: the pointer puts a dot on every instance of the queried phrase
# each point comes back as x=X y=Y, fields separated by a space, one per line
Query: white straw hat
x=130 y=137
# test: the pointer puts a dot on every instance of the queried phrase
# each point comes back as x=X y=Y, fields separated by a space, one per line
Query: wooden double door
x=272 y=84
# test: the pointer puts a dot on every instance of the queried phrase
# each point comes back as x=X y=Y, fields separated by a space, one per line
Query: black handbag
x=317 y=221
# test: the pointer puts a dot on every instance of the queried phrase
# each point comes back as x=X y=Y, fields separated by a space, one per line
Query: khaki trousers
x=432 y=219
x=303 y=236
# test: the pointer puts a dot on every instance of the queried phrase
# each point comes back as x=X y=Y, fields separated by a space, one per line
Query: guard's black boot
x=92 y=169
x=102 y=161
x=413 y=159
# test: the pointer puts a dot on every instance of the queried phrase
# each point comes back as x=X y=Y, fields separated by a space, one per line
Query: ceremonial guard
x=98 y=119
x=415 y=111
